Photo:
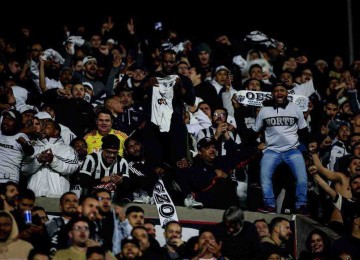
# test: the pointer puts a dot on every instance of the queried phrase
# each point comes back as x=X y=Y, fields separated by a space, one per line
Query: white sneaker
x=190 y=202
x=143 y=199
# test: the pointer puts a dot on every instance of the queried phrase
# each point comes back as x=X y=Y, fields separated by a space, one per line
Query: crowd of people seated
x=97 y=119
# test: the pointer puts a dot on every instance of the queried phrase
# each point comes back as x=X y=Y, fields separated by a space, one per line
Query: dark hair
x=76 y=139
x=75 y=220
x=132 y=209
x=275 y=221
x=139 y=227
x=4 y=214
x=105 y=111
x=211 y=230
x=166 y=226
x=96 y=191
x=130 y=240
x=27 y=194
x=3 y=188
x=323 y=235
x=55 y=125
x=65 y=194
x=36 y=251
x=95 y=249
x=150 y=221
x=85 y=197
x=260 y=220
x=35 y=208
x=234 y=214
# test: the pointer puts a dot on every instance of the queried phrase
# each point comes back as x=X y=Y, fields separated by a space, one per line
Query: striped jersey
x=95 y=167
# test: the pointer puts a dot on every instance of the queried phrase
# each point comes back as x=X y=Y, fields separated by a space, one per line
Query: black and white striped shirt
x=95 y=167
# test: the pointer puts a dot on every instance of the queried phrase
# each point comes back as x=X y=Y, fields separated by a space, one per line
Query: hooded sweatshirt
x=14 y=248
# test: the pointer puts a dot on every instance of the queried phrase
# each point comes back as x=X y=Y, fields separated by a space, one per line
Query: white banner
x=165 y=206
x=255 y=98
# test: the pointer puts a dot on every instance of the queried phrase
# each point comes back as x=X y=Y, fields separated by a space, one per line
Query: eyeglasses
x=219 y=114
x=110 y=153
x=83 y=229
x=103 y=198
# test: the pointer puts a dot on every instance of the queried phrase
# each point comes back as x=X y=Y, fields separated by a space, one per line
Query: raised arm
x=323 y=184
x=330 y=175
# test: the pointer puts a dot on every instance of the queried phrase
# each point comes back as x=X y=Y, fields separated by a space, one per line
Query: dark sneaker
x=302 y=210
x=267 y=209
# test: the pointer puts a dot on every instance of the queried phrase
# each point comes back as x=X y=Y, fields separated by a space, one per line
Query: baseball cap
x=130 y=240
x=89 y=58
x=220 y=68
x=110 y=142
x=43 y=115
x=27 y=109
x=88 y=84
x=12 y=113
x=205 y=142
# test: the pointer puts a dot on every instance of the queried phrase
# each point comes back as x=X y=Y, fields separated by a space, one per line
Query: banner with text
x=255 y=98
x=165 y=206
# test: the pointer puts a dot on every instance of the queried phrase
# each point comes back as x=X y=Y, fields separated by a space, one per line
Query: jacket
x=51 y=180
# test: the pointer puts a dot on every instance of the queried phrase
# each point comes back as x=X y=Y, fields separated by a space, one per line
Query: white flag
x=165 y=206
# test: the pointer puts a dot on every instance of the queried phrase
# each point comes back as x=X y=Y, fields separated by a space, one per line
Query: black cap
x=131 y=240
x=205 y=142
x=110 y=142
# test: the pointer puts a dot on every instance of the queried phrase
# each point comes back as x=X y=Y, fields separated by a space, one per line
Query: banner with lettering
x=255 y=98
x=165 y=206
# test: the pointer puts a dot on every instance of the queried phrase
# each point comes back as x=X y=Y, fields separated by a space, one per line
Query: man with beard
x=283 y=123
x=79 y=233
x=239 y=237
x=113 y=222
x=12 y=247
x=175 y=248
x=13 y=146
x=55 y=227
x=106 y=169
x=280 y=234
x=130 y=249
x=220 y=132
x=141 y=177
x=165 y=131
x=8 y=194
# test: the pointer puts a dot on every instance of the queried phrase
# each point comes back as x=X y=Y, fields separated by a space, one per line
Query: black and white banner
x=255 y=98
x=165 y=206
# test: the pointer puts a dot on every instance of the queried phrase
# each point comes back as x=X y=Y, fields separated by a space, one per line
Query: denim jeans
x=294 y=159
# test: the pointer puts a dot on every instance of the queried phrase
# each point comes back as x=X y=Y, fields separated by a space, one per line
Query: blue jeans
x=294 y=159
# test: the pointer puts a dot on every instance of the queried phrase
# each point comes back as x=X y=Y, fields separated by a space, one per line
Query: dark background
x=319 y=28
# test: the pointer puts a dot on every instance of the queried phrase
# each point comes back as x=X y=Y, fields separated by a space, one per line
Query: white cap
x=222 y=67
x=43 y=115
x=88 y=84
x=89 y=58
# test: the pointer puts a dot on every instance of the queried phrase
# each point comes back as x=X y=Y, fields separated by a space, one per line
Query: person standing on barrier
x=283 y=123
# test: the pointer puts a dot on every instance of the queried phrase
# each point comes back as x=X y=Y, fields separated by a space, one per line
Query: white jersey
x=161 y=105
x=95 y=167
x=281 y=126
x=12 y=154
x=306 y=89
